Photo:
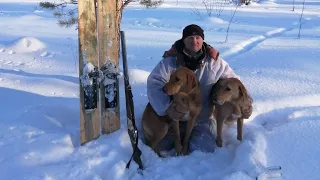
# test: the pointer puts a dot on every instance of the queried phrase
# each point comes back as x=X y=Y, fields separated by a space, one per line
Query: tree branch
x=125 y=3
x=234 y=12
x=301 y=18
x=50 y=5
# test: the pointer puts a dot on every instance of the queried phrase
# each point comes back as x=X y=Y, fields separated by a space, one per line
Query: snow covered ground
x=39 y=110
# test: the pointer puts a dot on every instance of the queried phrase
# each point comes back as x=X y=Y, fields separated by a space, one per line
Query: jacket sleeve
x=158 y=77
x=225 y=70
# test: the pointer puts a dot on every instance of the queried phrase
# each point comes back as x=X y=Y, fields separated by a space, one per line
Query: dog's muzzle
x=215 y=101
x=218 y=102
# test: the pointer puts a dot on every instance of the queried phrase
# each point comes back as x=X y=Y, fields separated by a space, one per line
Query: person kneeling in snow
x=190 y=51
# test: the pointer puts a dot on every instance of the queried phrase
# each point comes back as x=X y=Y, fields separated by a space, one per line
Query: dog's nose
x=165 y=89
x=214 y=99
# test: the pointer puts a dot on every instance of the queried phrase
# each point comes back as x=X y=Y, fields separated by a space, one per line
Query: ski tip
x=273 y=168
x=270 y=172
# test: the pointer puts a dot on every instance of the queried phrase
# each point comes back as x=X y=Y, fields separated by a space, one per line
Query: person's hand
x=175 y=112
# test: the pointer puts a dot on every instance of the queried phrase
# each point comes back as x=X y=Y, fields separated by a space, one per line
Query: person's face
x=193 y=43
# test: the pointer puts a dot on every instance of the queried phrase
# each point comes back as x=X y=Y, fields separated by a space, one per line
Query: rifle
x=132 y=128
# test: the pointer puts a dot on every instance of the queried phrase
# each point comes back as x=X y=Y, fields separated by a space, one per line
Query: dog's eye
x=177 y=79
x=228 y=89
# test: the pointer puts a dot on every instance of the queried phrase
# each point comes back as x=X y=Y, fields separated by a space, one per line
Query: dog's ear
x=243 y=93
x=191 y=82
x=216 y=86
x=240 y=91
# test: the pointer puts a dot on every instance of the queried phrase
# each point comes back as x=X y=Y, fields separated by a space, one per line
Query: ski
x=88 y=66
x=270 y=173
x=108 y=65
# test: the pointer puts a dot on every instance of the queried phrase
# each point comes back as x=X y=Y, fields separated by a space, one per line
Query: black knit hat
x=191 y=30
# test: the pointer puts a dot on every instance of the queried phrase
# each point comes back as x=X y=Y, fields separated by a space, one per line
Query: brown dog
x=185 y=90
x=231 y=99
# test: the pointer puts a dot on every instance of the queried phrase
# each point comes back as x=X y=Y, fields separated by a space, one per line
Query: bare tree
x=301 y=18
x=246 y=2
x=209 y=6
x=234 y=12
x=292 y=5
x=240 y=2
x=217 y=5
x=196 y=11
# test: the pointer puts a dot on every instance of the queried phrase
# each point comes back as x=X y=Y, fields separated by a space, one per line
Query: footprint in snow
x=38 y=11
x=19 y=64
x=11 y=52
x=46 y=54
x=8 y=62
x=256 y=72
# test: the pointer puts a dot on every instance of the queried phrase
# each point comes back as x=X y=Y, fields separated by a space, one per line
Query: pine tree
x=67 y=18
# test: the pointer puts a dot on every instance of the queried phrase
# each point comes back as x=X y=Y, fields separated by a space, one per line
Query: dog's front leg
x=219 y=132
x=239 y=128
x=177 y=138
x=187 y=134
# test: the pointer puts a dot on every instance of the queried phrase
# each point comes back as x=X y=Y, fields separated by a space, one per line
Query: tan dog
x=231 y=99
x=185 y=89
x=156 y=127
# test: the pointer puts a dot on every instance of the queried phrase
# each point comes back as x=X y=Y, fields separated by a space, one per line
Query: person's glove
x=176 y=112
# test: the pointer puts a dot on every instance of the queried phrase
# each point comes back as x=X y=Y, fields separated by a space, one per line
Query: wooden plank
x=89 y=122
x=108 y=35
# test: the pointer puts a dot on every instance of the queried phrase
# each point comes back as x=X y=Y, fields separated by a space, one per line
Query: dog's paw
x=219 y=142
x=239 y=138
x=185 y=150
x=178 y=154
x=179 y=149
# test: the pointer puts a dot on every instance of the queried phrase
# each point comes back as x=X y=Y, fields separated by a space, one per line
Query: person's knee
x=204 y=143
